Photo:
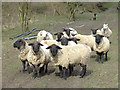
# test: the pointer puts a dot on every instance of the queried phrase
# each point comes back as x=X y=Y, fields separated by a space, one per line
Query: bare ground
x=97 y=76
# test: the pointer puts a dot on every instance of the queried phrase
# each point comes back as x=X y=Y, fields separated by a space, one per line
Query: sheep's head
x=20 y=43
x=105 y=26
x=94 y=31
x=73 y=31
x=53 y=49
x=64 y=41
x=74 y=40
x=98 y=38
x=43 y=34
x=67 y=30
x=35 y=46
x=59 y=35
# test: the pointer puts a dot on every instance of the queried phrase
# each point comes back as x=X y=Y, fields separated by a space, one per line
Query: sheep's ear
x=48 y=47
x=69 y=39
x=30 y=44
x=64 y=29
x=78 y=39
x=74 y=34
x=40 y=44
x=96 y=29
x=21 y=40
x=101 y=36
x=59 y=47
x=55 y=34
x=61 y=33
x=58 y=40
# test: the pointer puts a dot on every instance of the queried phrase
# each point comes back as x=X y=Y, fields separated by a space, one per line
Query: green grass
x=16 y=65
x=108 y=4
x=83 y=16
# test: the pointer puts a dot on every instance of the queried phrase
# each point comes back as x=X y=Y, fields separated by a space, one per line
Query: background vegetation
x=16 y=14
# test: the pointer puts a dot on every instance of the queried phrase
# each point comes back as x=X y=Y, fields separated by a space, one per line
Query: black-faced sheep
x=23 y=47
x=38 y=56
x=101 y=47
x=70 y=55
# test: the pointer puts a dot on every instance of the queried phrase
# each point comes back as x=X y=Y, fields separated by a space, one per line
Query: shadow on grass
x=76 y=72
x=96 y=58
x=93 y=56
x=42 y=73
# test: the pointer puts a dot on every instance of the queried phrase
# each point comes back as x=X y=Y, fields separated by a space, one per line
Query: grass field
x=97 y=76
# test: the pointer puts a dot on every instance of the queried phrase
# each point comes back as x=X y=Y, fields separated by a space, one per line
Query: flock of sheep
x=69 y=49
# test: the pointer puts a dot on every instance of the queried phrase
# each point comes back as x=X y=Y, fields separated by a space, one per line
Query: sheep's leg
x=37 y=69
x=60 y=68
x=41 y=69
x=34 y=71
x=106 y=56
x=83 y=70
x=102 y=55
x=28 y=67
x=46 y=68
x=99 y=58
x=64 y=73
x=23 y=63
x=70 y=69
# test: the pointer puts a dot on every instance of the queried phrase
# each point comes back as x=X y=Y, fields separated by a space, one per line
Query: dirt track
x=97 y=76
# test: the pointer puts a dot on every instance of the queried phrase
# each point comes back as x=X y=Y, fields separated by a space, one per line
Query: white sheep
x=106 y=31
x=70 y=55
x=38 y=56
x=23 y=47
x=73 y=31
x=44 y=35
x=101 y=46
x=86 y=39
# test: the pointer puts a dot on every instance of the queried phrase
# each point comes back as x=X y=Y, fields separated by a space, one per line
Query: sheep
x=94 y=31
x=44 y=35
x=101 y=47
x=106 y=31
x=86 y=39
x=66 y=56
x=59 y=35
x=73 y=31
x=23 y=47
x=38 y=56
x=71 y=41
x=69 y=32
